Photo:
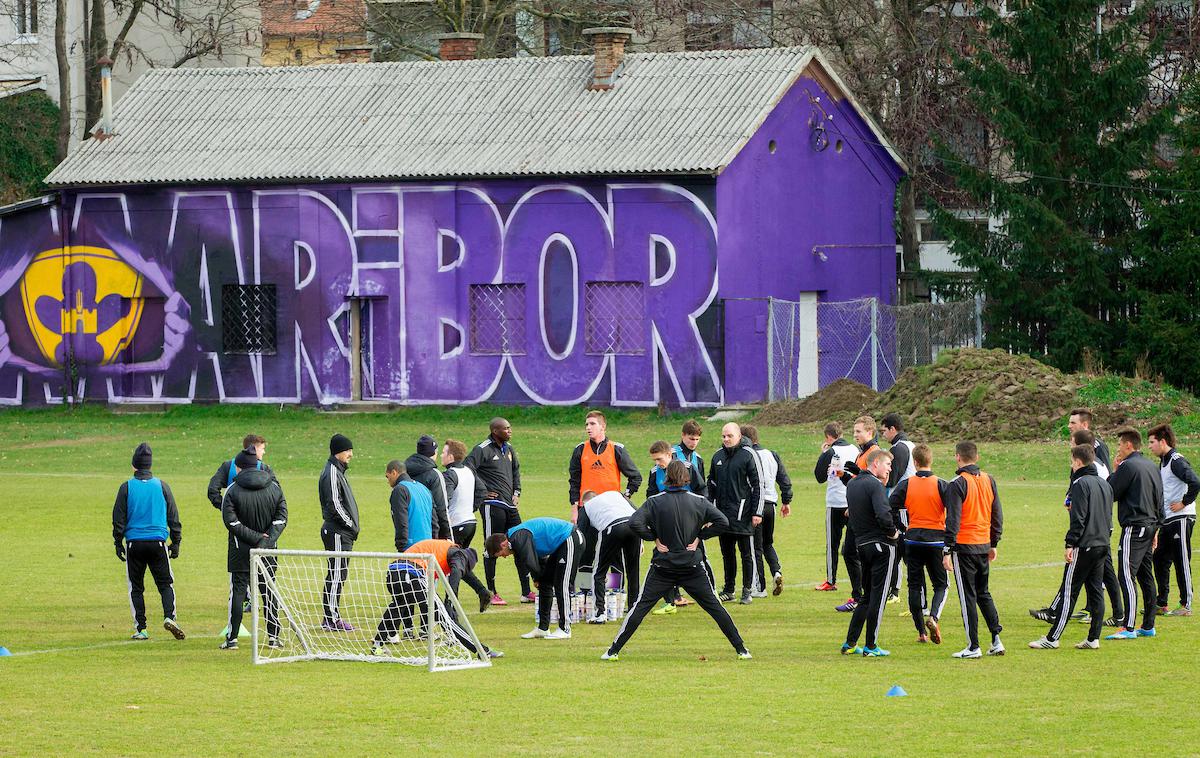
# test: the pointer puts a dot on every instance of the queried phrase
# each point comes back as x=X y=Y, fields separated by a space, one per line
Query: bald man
x=734 y=487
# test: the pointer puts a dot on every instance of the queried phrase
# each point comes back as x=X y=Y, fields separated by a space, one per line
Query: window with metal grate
x=497 y=319
x=248 y=318
x=614 y=316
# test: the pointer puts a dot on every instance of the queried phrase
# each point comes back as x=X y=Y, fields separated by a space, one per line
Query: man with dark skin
x=496 y=464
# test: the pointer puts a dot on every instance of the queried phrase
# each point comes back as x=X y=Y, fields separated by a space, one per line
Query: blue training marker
x=896 y=691
x=4 y=652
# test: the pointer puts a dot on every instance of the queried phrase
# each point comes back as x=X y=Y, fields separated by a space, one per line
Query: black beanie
x=426 y=445
x=339 y=443
x=245 y=459
x=142 y=457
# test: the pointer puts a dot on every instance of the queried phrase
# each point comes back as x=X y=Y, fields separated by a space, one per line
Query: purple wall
x=780 y=198
x=556 y=292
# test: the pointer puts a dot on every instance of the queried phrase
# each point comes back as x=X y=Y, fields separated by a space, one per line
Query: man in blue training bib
x=144 y=516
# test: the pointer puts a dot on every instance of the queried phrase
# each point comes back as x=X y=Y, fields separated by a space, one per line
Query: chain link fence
x=813 y=344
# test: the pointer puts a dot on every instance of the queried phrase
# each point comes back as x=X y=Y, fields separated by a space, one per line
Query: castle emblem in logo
x=85 y=298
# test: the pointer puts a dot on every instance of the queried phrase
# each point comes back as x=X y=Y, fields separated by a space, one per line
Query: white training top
x=462 y=502
x=835 y=491
x=768 y=469
x=1174 y=488
x=912 y=465
x=606 y=508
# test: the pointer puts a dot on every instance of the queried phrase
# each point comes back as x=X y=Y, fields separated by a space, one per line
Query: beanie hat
x=339 y=443
x=426 y=445
x=245 y=459
x=142 y=457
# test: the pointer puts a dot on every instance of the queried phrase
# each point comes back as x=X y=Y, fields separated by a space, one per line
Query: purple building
x=529 y=230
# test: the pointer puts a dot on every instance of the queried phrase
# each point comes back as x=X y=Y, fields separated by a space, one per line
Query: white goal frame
x=435 y=578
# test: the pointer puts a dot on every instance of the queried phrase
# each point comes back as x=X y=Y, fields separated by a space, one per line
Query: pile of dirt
x=977 y=394
x=839 y=401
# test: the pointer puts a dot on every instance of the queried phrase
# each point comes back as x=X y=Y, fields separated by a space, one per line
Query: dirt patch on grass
x=837 y=401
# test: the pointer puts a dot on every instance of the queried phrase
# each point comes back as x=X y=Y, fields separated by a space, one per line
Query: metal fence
x=812 y=344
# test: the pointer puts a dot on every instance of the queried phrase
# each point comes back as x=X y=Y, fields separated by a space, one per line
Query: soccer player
x=922 y=497
x=734 y=487
x=408 y=588
x=867 y=442
x=777 y=490
x=1081 y=418
x=974 y=523
x=598 y=463
x=496 y=464
x=604 y=522
x=255 y=515
x=1180 y=488
x=144 y=516
x=875 y=537
x=423 y=468
x=892 y=428
x=466 y=492
x=339 y=529
x=227 y=470
x=661 y=454
x=548 y=549
x=677 y=521
x=1083 y=436
x=411 y=504
x=835 y=453
x=1087 y=547
x=1138 y=489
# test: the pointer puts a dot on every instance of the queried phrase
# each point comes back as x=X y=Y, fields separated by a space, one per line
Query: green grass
x=65 y=589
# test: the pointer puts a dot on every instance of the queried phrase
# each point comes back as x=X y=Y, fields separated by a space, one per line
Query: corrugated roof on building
x=667 y=113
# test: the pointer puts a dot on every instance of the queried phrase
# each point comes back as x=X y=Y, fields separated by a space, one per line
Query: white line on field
x=117 y=643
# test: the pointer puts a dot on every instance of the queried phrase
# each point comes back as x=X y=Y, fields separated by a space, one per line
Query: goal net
x=348 y=606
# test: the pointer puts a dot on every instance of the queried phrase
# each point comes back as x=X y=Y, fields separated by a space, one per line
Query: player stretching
x=677 y=521
x=548 y=550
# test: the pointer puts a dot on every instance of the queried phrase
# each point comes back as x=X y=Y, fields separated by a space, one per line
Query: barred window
x=614 y=318
x=498 y=319
x=248 y=318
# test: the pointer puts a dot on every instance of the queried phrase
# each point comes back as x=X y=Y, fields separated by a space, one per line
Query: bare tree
x=63 y=62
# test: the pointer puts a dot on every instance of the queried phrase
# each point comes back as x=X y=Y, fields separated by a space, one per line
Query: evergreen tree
x=1070 y=134
x=1165 y=260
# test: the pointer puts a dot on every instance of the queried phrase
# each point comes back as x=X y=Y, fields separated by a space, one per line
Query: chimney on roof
x=458 y=46
x=609 y=44
x=355 y=53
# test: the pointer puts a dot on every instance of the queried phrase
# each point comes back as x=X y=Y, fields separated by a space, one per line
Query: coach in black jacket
x=423 y=468
x=676 y=520
x=1137 y=488
x=1087 y=545
x=734 y=487
x=255 y=514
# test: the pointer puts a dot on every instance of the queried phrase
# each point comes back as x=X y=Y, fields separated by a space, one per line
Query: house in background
x=27 y=59
x=560 y=230
x=306 y=32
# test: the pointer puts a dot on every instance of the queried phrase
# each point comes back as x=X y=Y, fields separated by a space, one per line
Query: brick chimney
x=609 y=44
x=458 y=46
x=355 y=53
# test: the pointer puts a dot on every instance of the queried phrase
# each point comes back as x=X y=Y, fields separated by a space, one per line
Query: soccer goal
x=347 y=606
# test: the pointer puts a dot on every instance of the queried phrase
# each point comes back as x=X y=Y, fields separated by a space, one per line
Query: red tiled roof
x=319 y=18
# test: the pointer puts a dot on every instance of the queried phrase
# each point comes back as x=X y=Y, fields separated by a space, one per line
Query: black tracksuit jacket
x=497 y=467
x=255 y=514
x=1137 y=489
x=1091 y=510
x=870 y=513
x=734 y=488
x=676 y=518
x=338 y=508
x=121 y=510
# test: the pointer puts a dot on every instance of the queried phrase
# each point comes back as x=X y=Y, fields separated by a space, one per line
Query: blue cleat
x=874 y=652
x=1124 y=634
x=1147 y=632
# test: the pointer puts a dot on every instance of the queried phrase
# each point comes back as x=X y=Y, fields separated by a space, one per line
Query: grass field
x=76 y=686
